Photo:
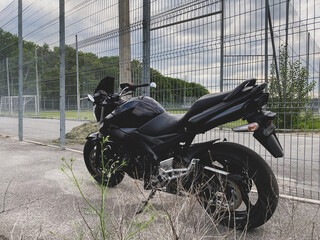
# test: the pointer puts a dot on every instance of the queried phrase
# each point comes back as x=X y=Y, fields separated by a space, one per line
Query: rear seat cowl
x=202 y=104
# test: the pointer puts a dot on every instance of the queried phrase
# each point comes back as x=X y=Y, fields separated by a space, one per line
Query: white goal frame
x=9 y=104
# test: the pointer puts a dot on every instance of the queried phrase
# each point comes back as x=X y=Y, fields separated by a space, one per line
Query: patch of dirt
x=78 y=134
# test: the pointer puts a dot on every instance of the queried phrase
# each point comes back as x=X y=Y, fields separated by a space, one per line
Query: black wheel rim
x=230 y=207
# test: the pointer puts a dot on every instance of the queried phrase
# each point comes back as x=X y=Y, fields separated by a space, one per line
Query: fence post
x=62 y=75
x=20 y=71
x=286 y=47
x=319 y=106
x=272 y=41
x=8 y=76
x=266 y=46
x=78 y=88
x=308 y=54
x=286 y=63
x=146 y=45
x=37 y=82
x=221 y=45
x=221 y=48
x=8 y=83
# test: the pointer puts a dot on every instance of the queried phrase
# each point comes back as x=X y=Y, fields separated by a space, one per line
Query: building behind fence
x=189 y=48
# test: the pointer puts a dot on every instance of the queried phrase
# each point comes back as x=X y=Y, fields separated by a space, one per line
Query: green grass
x=84 y=115
x=177 y=111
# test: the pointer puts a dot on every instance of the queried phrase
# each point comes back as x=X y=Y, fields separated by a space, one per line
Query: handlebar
x=125 y=89
x=129 y=87
x=142 y=85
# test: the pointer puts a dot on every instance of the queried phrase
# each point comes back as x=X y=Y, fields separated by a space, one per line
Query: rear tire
x=246 y=203
x=94 y=165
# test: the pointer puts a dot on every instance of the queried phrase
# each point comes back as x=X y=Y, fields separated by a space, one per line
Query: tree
x=92 y=69
x=289 y=95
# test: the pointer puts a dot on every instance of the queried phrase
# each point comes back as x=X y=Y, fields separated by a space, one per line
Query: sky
x=190 y=50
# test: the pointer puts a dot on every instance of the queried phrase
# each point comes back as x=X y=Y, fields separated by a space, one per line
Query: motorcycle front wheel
x=113 y=174
x=236 y=186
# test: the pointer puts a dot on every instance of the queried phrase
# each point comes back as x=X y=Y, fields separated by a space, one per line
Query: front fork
x=97 y=138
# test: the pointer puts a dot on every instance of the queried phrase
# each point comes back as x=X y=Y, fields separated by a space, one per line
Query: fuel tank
x=136 y=112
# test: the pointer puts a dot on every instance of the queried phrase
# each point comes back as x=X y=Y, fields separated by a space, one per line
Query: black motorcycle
x=234 y=184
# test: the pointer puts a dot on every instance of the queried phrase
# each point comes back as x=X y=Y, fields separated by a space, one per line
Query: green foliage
x=175 y=89
x=91 y=70
x=8 y=44
x=134 y=225
x=289 y=95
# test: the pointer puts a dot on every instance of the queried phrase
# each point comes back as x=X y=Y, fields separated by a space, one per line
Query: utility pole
x=146 y=45
x=20 y=98
x=124 y=42
x=78 y=87
x=62 y=75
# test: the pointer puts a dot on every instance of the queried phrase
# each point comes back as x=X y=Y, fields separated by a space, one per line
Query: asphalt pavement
x=298 y=173
x=38 y=129
x=38 y=201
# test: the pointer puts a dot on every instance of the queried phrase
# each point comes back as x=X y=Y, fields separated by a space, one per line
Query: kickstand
x=145 y=203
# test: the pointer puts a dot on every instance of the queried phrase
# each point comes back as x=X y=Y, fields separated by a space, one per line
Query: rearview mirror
x=91 y=98
x=153 y=85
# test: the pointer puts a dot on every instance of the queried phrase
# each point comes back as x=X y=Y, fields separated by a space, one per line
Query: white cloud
x=191 y=48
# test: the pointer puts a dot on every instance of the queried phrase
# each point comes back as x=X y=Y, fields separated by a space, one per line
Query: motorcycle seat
x=202 y=104
x=167 y=123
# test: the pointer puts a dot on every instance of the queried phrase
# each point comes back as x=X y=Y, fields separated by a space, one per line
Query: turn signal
x=252 y=127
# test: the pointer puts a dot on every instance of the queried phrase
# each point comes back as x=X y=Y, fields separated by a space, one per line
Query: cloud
x=189 y=48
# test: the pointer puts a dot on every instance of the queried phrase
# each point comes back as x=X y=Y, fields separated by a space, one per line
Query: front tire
x=93 y=163
x=245 y=203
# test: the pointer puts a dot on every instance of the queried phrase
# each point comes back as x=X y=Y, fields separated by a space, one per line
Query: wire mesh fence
x=195 y=47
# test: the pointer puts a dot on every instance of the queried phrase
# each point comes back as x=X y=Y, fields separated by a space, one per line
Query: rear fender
x=268 y=138
x=266 y=133
x=196 y=148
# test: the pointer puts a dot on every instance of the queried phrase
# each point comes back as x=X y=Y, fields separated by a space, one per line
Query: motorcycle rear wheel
x=94 y=166
x=242 y=204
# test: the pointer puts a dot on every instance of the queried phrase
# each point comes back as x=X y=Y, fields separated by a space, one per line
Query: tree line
x=92 y=69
